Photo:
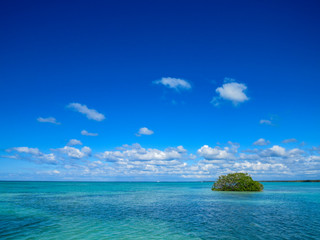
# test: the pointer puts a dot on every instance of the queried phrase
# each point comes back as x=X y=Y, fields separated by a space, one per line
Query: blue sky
x=167 y=90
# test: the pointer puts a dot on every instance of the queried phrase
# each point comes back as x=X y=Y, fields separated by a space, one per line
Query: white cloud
x=86 y=133
x=74 y=152
x=138 y=153
x=261 y=142
x=294 y=152
x=33 y=154
x=48 y=120
x=90 y=113
x=258 y=166
x=174 y=83
x=231 y=91
x=179 y=149
x=277 y=151
x=86 y=150
x=49 y=158
x=291 y=140
x=74 y=142
x=314 y=158
x=215 y=153
x=48 y=172
x=135 y=162
x=266 y=122
x=34 y=151
x=144 y=131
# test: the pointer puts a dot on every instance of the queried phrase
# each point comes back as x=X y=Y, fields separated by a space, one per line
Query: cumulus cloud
x=48 y=120
x=33 y=155
x=271 y=163
x=215 y=153
x=174 y=83
x=74 y=152
x=275 y=151
x=144 y=131
x=90 y=113
x=295 y=152
x=258 y=166
x=278 y=151
x=86 y=133
x=137 y=153
x=74 y=142
x=231 y=91
x=291 y=140
x=136 y=162
x=314 y=158
x=261 y=142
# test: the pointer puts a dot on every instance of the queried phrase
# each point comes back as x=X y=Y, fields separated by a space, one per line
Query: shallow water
x=83 y=210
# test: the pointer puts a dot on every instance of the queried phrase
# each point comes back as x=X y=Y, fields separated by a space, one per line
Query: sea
x=157 y=210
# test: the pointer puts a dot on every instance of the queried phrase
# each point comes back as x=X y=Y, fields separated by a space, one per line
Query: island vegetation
x=291 y=181
x=237 y=182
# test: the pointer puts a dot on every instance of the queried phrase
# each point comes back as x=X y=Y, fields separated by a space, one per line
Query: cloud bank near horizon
x=134 y=161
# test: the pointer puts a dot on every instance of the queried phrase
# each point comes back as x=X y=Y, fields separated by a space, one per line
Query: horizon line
x=316 y=180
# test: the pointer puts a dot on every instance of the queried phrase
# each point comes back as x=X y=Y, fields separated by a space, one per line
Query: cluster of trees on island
x=237 y=182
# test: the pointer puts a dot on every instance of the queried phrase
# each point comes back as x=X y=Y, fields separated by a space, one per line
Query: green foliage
x=236 y=182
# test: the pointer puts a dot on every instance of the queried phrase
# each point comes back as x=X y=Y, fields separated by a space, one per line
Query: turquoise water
x=69 y=210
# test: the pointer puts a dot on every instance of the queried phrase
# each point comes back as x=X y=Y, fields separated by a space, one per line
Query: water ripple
x=157 y=211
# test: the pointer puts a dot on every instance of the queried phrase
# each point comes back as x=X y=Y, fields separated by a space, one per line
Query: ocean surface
x=87 y=210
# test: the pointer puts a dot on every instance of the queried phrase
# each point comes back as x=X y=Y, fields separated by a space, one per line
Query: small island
x=237 y=182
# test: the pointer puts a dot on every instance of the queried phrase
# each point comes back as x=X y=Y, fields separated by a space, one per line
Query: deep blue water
x=83 y=210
